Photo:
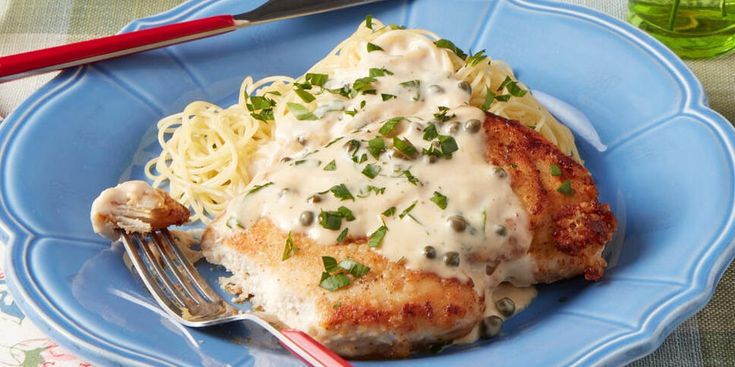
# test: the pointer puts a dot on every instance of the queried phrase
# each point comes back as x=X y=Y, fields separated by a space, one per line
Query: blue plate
x=661 y=157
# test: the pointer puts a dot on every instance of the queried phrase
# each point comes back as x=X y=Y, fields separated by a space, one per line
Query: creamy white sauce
x=496 y=236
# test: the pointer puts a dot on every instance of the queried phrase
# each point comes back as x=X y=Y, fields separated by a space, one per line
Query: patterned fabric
x=707 y=339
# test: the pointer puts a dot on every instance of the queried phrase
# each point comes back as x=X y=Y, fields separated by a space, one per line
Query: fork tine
x=161 y=275
x=150 y=281
x=165 y=246
x=192 y=272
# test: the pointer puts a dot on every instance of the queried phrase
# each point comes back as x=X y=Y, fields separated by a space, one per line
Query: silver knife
x=74 y=54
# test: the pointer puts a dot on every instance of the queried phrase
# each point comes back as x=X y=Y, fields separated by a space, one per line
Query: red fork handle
x=312 y=352
x=60 y=57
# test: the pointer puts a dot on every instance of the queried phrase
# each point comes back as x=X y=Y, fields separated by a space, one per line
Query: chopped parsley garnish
x=410 y=177
x=259 y=103
x=342 y=235
x=448 y=145
x=346 y=213
x=342 y=192
x=331 y=166
x=512 y=87
x=301 y=112
x=405 y=148
x=430 y=132
x=352 y=112
x=352 y=146
x=390 y=212
x=257 y=188
x=353 y=267
x=261 y=108
x=371 y=170
x=407 y=210
x=360 y=159
x=364 y=85
x=376 y=146
x=330 y=220
x=369 y=22
x=316 y=79
x=476 y=58
x=389 y=126
x=304 y=95
x=333 y=219
x=334 y=276
x=373 y=47
x=376 y=238
x=434 y=150
x=369 y=189
x=566 y=188
x=375 y=72
x=232 y=222
x=439 y=199
x=335 y=140
x=289 y=249
x=444 y=43
x=330 y=264
x=503 y=98
x=555 y=170
x=441 y=116
x=344 y=91
x=396 y=26
x=415 y=85
x=334 y=282
x=386 y=96
x=489 y=97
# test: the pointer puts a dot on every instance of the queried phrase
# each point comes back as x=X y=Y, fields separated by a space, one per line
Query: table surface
x=706 y=339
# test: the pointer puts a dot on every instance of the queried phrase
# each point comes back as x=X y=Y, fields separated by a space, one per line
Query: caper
x=500 y=172
x=490 y=326
x=463 y=85
x=500 y=230
x=453 y=127
x=505 y=306
x=314 y=199
x=458 y=223
x=429 y=252
x=472 y=126
x=451 y=258
x=302 y=140
x=306 y=218
x=437 y=89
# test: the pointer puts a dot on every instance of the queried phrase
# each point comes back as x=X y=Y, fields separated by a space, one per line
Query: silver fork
x=181 y=291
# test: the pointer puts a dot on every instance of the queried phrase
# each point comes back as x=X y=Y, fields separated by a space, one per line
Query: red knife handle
x=313 y=349
x=60 y=57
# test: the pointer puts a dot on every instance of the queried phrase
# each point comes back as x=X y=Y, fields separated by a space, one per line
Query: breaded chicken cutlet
x=393 y=311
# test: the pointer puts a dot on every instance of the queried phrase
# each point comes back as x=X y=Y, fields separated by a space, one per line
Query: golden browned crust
x=171 y=213
x=419 y=309
x=570 y=231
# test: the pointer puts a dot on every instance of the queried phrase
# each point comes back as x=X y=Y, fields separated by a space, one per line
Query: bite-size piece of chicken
x=135 y=207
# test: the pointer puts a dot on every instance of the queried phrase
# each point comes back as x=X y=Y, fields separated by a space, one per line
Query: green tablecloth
x=708 y=339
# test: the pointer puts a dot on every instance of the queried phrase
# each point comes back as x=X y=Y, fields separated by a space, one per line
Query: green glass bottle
x=694 y=29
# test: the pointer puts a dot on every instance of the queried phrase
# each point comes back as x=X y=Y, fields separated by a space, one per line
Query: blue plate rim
x=619 y=350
